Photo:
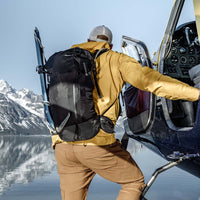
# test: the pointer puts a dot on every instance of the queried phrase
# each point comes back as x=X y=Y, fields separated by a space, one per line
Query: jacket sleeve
x=151 y=80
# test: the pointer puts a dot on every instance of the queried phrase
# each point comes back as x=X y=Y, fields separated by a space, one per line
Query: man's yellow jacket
x=113 y=70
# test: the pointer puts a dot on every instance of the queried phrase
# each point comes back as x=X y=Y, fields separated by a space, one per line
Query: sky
x=63 y=23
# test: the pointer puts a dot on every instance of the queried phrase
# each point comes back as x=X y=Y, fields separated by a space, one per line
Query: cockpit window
x=187 y=13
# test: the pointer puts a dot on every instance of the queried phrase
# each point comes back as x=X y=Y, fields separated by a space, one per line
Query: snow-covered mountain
x=21 y=112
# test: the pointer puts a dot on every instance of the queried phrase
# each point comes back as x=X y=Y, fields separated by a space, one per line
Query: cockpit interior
x=182 y=61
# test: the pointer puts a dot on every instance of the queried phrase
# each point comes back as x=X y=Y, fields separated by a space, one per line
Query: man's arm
x=151 y=80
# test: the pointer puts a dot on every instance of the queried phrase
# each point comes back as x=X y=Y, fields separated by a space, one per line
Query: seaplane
x=169 y=128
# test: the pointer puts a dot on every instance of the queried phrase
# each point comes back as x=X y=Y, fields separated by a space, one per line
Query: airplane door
x=139 y=105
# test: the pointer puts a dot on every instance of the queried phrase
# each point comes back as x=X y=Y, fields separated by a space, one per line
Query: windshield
x=187 y=13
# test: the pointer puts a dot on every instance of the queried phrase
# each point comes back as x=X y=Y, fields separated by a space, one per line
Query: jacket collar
x=92 y=46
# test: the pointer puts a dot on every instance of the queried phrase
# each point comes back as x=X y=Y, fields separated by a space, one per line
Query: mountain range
x=21 y=111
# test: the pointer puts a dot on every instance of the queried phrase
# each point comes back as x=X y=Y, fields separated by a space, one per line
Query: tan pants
x=78 y=164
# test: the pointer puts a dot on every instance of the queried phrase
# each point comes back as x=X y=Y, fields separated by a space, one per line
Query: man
x=79 y=161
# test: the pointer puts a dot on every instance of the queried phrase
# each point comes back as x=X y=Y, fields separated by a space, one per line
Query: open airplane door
x=139 y=105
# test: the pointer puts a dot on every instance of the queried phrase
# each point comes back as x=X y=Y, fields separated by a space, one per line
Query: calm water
x=28 y=171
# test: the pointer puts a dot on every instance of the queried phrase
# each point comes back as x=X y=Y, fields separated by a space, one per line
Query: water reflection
x=30 y=161
x=23 y=159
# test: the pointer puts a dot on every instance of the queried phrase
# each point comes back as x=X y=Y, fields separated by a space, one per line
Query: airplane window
x=187 y=13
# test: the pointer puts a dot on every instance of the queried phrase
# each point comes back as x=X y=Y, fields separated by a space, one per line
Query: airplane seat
x=137 y=105
x=136 y=101
x=194 y=74
x=181 y=113
x=189 y=113
x=131 y=97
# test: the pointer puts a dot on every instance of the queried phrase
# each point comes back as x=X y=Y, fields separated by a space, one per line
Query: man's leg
x=75 y=178
x=115 y=164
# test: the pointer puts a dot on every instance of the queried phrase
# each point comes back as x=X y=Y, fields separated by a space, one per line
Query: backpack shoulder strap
x=110 y=106
x=99 y=52
x=96 y=55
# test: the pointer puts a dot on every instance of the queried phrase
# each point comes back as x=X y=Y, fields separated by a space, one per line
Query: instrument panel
x=183 y=52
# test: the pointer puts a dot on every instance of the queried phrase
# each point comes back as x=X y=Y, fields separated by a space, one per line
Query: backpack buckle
x=40 y=69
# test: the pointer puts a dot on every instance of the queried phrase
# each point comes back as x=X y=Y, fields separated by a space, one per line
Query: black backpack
x=72 y=79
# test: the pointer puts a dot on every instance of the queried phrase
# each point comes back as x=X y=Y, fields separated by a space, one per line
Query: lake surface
x=28 y=171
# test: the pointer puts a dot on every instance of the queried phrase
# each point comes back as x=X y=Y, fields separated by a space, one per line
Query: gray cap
x=99 y=31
